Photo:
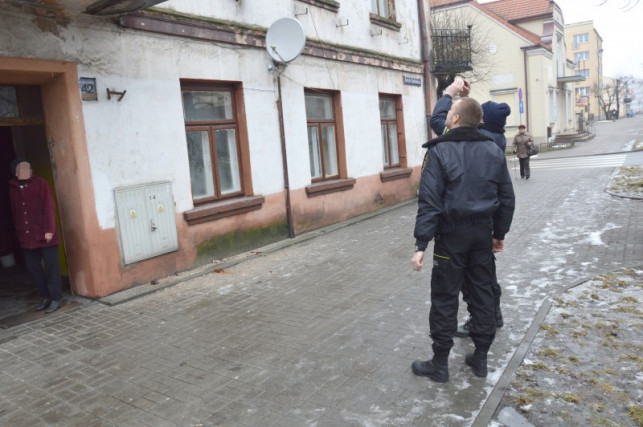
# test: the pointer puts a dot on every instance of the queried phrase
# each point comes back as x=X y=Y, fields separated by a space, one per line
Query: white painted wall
x=319 y=23
x=141 y=139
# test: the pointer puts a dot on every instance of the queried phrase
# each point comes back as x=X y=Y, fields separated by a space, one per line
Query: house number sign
x=88 y=89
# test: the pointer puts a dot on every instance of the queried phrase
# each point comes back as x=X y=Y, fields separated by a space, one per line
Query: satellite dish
x=285 y=40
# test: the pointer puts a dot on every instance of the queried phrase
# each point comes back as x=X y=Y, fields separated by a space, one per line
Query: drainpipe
x=426 y=58
x=284 y=161
x=524 y=52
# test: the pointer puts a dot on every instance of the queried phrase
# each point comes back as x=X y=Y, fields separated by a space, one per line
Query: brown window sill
x=222 y=209
x=326 y=4
x=325 y=187
x=391 y=24
x=395 y=173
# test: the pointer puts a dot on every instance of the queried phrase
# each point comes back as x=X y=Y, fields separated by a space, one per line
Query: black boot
x=478 y=362
x=499 y=321
x=430 y=368
x=43 y=304
x=55 y=305
x=463 y=330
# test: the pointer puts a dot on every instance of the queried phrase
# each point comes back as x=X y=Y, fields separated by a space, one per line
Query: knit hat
x=494 y=114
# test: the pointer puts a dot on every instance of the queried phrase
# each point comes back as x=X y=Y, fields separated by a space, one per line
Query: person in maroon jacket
x=34 y=214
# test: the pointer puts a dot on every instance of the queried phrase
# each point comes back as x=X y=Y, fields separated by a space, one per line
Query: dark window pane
x=8 y=102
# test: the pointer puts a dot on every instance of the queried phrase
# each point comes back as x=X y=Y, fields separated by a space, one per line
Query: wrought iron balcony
x=451 y=51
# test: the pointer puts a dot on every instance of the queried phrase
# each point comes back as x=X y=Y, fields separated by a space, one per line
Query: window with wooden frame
x=383 y=8
x=322 y=136
x=213 y=134
x=393 y=138
x=389 y=131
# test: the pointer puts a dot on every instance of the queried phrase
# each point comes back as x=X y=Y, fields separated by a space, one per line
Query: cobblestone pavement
x=322 y=332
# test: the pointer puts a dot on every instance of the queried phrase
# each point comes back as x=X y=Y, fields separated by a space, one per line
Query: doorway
x=22 y=135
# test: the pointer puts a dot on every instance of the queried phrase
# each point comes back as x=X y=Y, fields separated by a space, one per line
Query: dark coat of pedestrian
x=466 y=203
x=522 y=142
x=34 y=217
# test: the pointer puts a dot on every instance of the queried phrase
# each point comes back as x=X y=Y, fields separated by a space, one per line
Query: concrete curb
x=624 y=196
x=490 y=407
x=147 y=289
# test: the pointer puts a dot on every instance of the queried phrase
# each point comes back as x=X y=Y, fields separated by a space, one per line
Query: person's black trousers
x=524 y=168
x=495 y=287
x=48 y=280
x=463 y=258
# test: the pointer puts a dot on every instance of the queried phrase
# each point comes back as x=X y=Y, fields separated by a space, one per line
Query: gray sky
x=619 y=23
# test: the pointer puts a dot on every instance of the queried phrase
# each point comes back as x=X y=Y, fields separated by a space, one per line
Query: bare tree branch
x=480 y=59
x=610 y=96
x=626 y=7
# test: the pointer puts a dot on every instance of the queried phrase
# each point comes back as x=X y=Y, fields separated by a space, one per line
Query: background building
x=585 y=49
x=525 y=61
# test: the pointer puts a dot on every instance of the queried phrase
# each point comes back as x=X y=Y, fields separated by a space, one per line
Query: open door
x=22 y=134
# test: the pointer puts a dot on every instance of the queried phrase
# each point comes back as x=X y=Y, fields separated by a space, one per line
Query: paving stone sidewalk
x=322 y=332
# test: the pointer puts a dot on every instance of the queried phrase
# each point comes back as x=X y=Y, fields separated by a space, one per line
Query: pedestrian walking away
x=466 y=203
x=521 y=144
x=34 y=215
x=494 y=118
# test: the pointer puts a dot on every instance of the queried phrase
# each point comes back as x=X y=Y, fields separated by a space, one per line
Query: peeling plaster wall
x=142 y=138
x=320 y=23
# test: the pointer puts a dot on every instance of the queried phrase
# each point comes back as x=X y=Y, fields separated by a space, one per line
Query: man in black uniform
x=466 y=203
x=494 y=118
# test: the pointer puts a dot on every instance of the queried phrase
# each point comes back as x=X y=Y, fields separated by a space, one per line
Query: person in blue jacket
x=466 y=203
x=494 y=118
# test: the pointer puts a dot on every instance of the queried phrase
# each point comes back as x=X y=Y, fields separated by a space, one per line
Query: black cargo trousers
x=462 y=258
x=497 y=290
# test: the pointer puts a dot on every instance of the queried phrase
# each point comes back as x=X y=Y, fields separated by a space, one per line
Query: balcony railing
x=451 y=50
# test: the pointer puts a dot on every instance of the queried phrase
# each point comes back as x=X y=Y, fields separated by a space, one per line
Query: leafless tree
x=609 y=96
x=627 y=6
x=469 y=59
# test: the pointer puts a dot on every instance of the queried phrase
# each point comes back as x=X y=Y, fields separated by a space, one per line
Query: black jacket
x=465 y=181
x=439 y=123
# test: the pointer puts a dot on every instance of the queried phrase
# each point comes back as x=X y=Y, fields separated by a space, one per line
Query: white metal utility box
x=146 y=221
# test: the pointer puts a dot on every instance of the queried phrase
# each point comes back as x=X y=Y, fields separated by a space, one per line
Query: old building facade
x=171 y=136
x=527 y=62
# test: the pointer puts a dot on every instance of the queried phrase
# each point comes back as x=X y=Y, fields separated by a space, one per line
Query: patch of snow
x=508 y=416
x=376 y=418
x=225 y=290
x=549 y=381
x=494 y=376
x=539 y=282
x=594 y=237
x=463 y=385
